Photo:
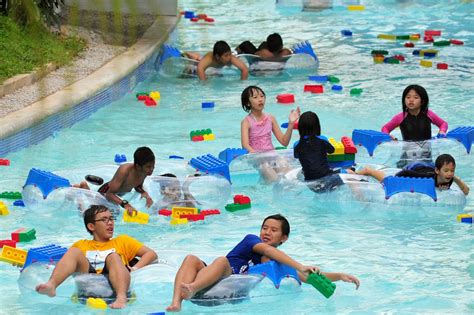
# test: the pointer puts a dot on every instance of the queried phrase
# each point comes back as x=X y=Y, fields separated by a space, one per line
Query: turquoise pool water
x=406 y=263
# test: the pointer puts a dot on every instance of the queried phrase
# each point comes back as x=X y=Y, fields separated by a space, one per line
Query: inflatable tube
x=362 y=192
x=204 y=192
x=183 y=67
x=295 y=61
x=91 y=285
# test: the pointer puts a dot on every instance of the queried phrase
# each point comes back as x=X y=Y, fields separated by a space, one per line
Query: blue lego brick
x=370 y=139
x=120 y=158
x=394 y=185
x=176 y=157
x=19 y=203
x=341 y=164
x=274 y=271
x=229 y=154
x=466 y=220
x=304 y=48
x=46 y=181
x=465 y=135
x=168 y=51
x=207 y=104
x=346 y=33
x=318 y=78
x=210 y=164
x=48 y=253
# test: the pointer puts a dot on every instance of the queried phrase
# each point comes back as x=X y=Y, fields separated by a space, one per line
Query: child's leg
x=377 y=174
x=187 y=273
x=206 y=277
x=119 y=278
x=82 y=185
x=268 y=172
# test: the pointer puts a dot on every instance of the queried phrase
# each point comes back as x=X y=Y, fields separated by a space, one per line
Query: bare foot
x=120 y=302
x=187 y=291
x=174 y=307
x=47 y=289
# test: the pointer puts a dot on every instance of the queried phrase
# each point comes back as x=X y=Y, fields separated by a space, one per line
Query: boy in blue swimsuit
x=194 y=275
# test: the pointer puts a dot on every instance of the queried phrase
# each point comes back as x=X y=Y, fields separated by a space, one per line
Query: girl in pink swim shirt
x=415 y=120
x=257 y=128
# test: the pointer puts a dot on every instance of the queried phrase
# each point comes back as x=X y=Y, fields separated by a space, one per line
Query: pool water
x=406 y=263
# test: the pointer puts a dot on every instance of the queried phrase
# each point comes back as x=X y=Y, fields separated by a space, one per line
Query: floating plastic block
x=379 y=52
x=332 y=79
x=415 y=36
x=188 y=14
x=394 y=185
x=416 y=52
x=465 y=135
x=322 y=284
x=391 y=60
x=3 y=209
x=338 y=147
x=176 y=212
x=49 y=253
x=24 y=235
x=120 y=158
x=354 y=7
x=155 y=95
x=10 y=195
x=168 y=51
x=4 y=162
x=399 y=57
x=285 y=125
x=232 y=207
x=432 y=33
x=230 y=154
x=46 y=181
x=336 y=88
x=197 y=138
x=348 y=144
x=442 y=66
x=378 y=59
x=335 y=157
x=387 y=36
x=207 y=105
x=286 y=98
x=150 y=102
x=318 y=78
x=403 y=37
x=202 y=16
x=274 y=271
x=177 y=221
x=464 y=218
x=164 y=212
x=19 y=203
x=210 y=164
x=176 y=157
x=209 y=137
x=156 y=313
x=241 y=199
x=428 y=39
x=314 y=88
x=304 y=48
x=210 y=212
x=14 y=256
x=136 y=217
x=346 y=33
x=198 y=133
x=209 y=20
x=10 y=243
x=442 y=43
x=409 y=45
x=369 y=139
x=456 y=42
x=96 y=303
x=429 y=53
x=341 y=164
x=192 y=217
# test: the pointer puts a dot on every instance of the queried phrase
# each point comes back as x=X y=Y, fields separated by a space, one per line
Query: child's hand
x=441 y=134
x=149 y=201
x=393 y=138
x=350 y=278
x=294 y=115
x=309 y=269
x=443 y=186
x=131 y=210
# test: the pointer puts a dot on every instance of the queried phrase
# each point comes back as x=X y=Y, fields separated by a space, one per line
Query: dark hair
x=220 y=48
x=89 y=214
x=444 y=159
x=285 y=226
x=308 y=125
x=172 y=179
x=248 y=92
x=274 y=43
x=143 y=155
x=247 y=48
x=421 y=92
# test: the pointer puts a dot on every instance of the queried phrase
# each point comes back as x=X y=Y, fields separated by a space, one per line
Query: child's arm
x=244 y=135
x=277 y=255
x=393 y=123
x=145 y=195
x=244 y=72
x=462 y=185
x=284 y=139
x=435 y=119
x=114 y=187
x=205 y=62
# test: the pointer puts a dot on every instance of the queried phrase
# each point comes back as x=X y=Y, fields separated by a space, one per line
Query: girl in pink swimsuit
x=257 y=127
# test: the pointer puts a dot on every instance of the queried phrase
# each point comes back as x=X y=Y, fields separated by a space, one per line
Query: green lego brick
x=333 y=79
x=379 y=52
x=10 y=195
x=27 y=235
x=336 y=158
x=403 y=37
x=280 y=148
x=232 y=207
x=349 y=157
x=322 y=284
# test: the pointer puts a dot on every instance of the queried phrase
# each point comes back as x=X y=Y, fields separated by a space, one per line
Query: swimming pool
x=406 y=263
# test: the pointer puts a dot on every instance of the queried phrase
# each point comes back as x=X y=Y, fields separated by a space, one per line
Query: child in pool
x=257 y=127
x=219 y=57
x=272 y=48
x=442 y=173
x=173 y=194
x=194 y=275
x=312 y=153
x=415 y=119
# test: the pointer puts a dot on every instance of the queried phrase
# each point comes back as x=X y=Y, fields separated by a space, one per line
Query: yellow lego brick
x=414 y=37
x=209 y=137
x=177 y=211
x=14 y=256
x=379 y=59
x=459 y=217
x=426 y=63
x=96 y=303
x=387 y=36
x=155 y=95
x=338 y=147
x=137 y=217
x=3 y=209
x=176 y=221
x=428 y=51
x=354 y=7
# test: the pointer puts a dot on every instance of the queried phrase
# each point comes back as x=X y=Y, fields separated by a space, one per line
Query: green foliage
x=22 y=49
x=28 y=12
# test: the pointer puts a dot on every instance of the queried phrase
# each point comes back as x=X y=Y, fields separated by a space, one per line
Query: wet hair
x=444 y=159
x=423 y=96
x=143 y=155
x=274 y=43
x=285 y=225
x=247 y=48
x=173 y=179
x=248 y=92
x=220 y=48
x=308 y=125
x=89 y=215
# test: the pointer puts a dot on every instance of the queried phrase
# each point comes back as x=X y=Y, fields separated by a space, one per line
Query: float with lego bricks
x=348 y=192
x=378 y=148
